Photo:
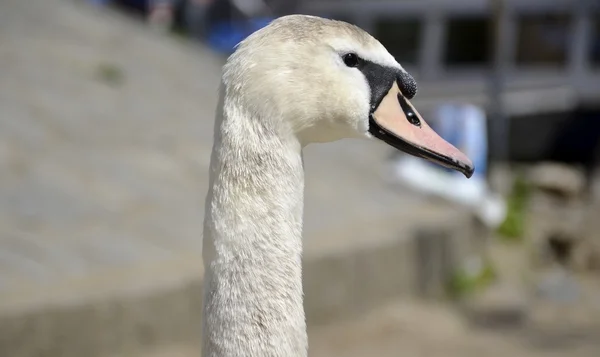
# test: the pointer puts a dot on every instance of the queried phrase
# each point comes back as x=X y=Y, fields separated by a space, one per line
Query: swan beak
x=398 y=123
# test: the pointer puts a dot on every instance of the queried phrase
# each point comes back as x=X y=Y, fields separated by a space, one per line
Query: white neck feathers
x=252 y=239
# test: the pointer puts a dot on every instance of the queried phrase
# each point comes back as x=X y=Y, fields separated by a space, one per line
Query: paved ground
x=409 y=328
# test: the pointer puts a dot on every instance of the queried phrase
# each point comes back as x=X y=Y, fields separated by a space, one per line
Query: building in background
x=550 y=75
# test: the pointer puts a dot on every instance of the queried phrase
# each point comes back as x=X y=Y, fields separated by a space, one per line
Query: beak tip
x=468 y=171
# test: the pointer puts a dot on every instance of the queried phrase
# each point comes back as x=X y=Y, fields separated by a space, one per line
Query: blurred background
x=106 y=117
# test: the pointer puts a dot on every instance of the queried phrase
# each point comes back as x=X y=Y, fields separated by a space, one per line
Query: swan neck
x=252 y=240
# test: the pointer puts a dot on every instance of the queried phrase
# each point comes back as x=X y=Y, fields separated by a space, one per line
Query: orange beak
x=396 y=122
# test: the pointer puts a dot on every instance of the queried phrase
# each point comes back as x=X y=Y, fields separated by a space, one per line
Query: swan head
x=323 y=80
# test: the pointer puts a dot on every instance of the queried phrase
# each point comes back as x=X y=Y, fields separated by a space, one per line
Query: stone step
x=159 y=302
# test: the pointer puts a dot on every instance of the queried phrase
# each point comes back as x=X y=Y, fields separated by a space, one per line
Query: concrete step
x=159 y=302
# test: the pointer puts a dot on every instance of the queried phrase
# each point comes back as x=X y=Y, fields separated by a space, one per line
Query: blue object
x=464 y=126
x=224 y=36
x=99 y=2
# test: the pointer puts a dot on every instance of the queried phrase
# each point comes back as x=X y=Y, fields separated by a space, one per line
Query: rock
x=556 y=214
x=586 y=256
x=555 y=224
x=503 y=305
x=552 y=223
x=558 y=285
x=560 y=179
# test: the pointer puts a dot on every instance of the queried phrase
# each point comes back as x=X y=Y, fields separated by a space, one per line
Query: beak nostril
x=411 y=116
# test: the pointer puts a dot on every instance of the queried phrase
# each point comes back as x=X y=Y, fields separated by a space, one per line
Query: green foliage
x=513 y=227
x=464 y=282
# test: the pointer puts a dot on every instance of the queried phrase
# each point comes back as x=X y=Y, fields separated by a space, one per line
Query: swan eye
x=351 y=60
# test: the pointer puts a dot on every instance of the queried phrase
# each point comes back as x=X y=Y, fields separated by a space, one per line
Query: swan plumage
x=300 y=80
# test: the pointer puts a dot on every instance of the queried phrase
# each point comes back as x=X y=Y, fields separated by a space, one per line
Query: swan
x=299 y=80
